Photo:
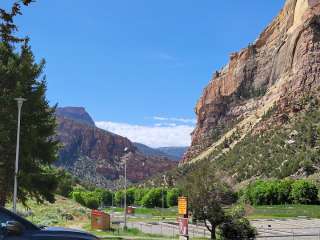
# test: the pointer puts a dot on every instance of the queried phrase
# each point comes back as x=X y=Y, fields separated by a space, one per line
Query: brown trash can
x=130 y=210
x=100 y=220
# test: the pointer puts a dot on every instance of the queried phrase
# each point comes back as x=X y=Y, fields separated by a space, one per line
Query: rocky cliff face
x=77 y=114
x=280 y=67
x=97 y=156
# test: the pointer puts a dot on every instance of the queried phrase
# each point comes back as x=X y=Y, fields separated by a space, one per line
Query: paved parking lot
x=273 y=229
x=288 y=229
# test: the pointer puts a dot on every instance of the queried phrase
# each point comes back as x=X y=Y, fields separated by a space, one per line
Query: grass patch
x=285 y=211
x=119 y=233
x=63 y=213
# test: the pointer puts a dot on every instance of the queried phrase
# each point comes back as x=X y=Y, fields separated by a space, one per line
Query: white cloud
x=181 y=120
x=159 y=135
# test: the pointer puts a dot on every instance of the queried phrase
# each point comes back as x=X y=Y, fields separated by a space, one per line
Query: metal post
x=292 y=234
x=125 y=191
x=16 y=169
x=125 y=195
x=162 y=204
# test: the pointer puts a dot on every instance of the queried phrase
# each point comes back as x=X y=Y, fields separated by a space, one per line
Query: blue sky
x=135 y=61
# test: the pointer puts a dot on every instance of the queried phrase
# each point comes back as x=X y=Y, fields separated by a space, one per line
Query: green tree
x=119 y=198
x=130 y=196
x=107 y=197
x=20 y=75
x=139 y=194
x=66 y=182
x=304 y=192
x=91 y=200
x=172 y=197
x=156 y=197
x=206 y=195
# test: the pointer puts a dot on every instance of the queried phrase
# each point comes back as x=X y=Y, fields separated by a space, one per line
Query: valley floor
x=273 y=222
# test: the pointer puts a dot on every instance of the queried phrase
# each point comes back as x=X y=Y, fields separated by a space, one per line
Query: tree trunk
x=212 y=230
x=213 y=233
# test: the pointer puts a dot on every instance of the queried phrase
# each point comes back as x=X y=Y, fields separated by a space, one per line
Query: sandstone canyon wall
x=279 y=67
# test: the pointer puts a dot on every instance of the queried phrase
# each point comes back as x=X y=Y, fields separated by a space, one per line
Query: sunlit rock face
x=282 y=64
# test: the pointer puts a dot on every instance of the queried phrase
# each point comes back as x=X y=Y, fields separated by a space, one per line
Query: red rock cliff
x=282 y=63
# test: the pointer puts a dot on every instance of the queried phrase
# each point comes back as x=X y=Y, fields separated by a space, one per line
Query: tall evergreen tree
x=21 y=76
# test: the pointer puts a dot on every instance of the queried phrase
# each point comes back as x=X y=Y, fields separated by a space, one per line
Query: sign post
x=183 y=218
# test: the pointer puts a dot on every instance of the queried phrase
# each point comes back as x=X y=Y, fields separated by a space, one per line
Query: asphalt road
x=286 y=229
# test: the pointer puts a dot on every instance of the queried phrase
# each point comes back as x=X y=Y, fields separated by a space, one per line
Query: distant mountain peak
x=78 y=114
x=173 y=153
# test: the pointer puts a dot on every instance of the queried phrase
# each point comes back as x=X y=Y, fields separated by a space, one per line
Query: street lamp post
x=162 y=203
x=125 y=190
x=162 y=190
x=20 y=101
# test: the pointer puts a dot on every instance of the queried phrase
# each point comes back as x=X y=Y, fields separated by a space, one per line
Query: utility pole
x=20 y=101
x=125 y=190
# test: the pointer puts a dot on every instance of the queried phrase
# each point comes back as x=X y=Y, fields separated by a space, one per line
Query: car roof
x=25 y=222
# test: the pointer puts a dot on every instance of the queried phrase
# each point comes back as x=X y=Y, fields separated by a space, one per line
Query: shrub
x=77 y=196
x=304 y=192
x=172 y=197
x=91 y=200
x=234 y=228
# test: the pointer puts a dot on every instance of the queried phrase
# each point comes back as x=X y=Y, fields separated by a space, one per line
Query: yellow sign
x=182 y=205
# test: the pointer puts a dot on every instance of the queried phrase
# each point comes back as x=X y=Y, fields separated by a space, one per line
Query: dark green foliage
x=236 y=229
x=65 y=180
x=304 y=192
x=283 y=189
x=7 y=26
x=20 y=75
x=155 y=197
x=130 y=196
x=91 y=200
x=275 y=192
x=235 y=226
x=207 y=195
x=172 y=197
